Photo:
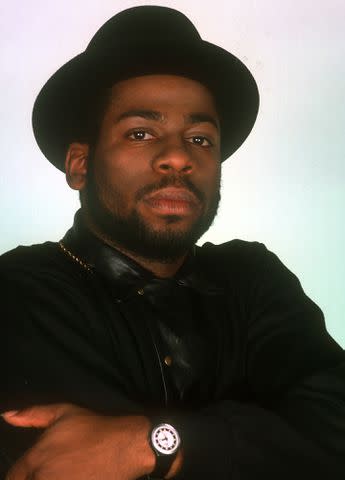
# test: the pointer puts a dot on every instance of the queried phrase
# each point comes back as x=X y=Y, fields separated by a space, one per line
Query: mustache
x=171 y=181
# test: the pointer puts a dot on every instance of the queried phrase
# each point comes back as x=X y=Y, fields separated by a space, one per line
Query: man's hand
x=81 y=445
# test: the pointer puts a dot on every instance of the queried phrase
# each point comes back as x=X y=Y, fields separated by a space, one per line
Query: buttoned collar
x=128 y=275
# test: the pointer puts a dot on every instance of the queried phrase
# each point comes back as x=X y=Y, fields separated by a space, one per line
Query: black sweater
x=255 y=386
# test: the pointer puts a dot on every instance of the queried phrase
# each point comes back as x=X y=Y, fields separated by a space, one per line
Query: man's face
x=154 y=176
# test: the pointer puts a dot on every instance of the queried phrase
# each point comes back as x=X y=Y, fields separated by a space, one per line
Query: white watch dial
x=165 y=439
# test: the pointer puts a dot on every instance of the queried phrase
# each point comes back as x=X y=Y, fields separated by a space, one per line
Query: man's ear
x=76 y=165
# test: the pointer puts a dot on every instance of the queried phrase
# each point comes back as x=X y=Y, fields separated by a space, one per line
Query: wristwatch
x=165 y=442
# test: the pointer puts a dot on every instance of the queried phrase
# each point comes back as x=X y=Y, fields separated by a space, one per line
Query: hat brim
x=62 y=107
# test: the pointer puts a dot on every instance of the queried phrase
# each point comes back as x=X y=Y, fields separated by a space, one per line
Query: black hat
x=138 y=41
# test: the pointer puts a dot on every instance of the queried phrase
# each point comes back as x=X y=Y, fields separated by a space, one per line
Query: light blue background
x=285 y=187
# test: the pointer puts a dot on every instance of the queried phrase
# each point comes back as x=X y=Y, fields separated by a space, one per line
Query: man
x=128 y=350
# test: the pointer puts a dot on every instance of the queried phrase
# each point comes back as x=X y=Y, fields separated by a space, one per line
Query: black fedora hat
x=141 y=41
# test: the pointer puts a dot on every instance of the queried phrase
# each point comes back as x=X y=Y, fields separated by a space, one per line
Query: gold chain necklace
x=75 y=258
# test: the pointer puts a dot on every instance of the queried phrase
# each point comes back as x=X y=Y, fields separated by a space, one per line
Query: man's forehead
x=158 y=81
x=147 y=96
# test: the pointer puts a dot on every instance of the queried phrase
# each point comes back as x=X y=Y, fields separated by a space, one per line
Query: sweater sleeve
x=294 y=425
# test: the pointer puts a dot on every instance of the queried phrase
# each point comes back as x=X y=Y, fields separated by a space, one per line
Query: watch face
x=165 y=439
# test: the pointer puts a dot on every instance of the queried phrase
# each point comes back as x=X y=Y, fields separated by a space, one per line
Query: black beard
x=134 y=235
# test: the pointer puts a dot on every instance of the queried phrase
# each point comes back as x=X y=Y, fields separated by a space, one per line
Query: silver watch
x=165 y=442
x=165 y=439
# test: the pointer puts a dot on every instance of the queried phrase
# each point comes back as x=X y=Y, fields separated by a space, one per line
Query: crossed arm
x=300 y=435
x=305 y=439
x=80 y=444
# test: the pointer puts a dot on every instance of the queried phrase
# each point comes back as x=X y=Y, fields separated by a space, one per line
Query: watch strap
x=163 y=465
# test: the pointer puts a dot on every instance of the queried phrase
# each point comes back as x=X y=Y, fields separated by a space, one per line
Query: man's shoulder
x=39 y=271
x=234 y=259
x=249 y=261
x=235 y=244
x=36 y=264
x=22 y=257
x=235 y=251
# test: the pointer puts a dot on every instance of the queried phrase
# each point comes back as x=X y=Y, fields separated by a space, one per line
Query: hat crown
x=145 y=25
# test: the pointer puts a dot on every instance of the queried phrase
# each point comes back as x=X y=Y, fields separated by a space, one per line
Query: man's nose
x=174 y=157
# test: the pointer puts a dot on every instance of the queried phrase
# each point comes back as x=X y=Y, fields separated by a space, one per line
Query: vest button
x=140 y=291
x=168 y=360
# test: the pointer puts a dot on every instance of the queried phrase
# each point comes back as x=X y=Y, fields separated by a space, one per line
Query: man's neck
x=158 y=268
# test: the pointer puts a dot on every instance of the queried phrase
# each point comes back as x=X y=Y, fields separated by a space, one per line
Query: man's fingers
x=37 y=416
x=19 y=471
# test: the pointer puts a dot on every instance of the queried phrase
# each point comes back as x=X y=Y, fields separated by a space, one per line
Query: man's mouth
x=172 y=201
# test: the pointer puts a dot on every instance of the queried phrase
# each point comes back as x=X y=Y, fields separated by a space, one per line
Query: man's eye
x=200 y=140
x=140 y=135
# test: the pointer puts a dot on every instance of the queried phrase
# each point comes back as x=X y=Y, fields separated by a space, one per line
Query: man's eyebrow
x=147 y=114
x=198 y=117
x=202 y=117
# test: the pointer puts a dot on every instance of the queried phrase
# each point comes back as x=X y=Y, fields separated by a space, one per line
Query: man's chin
x=168 y=244
x=159 y=243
